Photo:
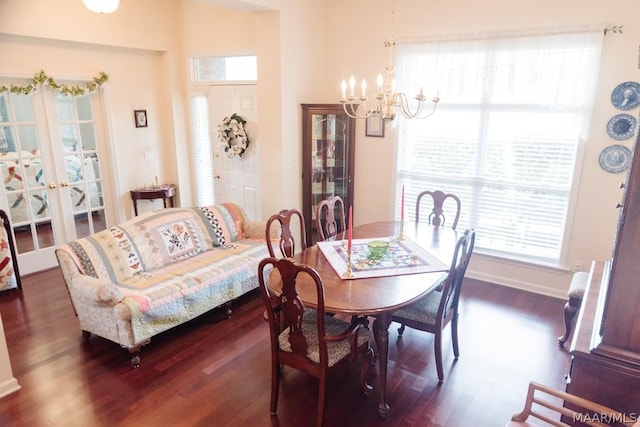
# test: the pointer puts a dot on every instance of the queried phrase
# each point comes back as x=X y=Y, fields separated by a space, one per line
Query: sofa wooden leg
x=135 y=354
x=228 y=308
x=570 y=309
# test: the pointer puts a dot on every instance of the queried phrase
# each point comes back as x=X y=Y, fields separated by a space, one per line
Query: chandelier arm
x=433 y=110
x=401 y=100
x=352 y=109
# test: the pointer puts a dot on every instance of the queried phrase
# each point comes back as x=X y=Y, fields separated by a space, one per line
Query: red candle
x=402 y=205
x=350 y=230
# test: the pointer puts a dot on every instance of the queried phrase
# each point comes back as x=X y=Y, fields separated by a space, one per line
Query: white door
x=236 y=180
x=51 y=170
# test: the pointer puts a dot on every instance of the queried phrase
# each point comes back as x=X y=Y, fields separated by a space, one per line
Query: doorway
x=235 y=179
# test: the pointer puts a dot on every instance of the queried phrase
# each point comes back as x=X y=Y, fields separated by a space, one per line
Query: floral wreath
x=233 y=135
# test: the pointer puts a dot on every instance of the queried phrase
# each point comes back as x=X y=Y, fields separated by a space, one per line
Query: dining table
x=382 y=294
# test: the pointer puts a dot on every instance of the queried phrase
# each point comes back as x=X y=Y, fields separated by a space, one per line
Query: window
x=225 y=68
x=506 y=135
x=203 y=151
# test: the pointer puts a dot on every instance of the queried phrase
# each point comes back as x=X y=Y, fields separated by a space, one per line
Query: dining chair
x=437 y=215
x=440 y=307
x=287 y=243
x=308 y=339
x=330 y=218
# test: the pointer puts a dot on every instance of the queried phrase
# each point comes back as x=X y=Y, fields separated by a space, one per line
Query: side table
x=164 y=192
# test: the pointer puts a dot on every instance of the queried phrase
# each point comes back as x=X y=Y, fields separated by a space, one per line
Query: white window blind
x=202 y=151
x=505 y=136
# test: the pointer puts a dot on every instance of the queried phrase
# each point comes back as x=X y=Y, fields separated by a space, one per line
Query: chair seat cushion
x=578 y=284
x=337 y=350
x=423 y=311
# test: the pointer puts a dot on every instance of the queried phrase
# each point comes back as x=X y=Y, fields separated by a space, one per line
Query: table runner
x=403 y=257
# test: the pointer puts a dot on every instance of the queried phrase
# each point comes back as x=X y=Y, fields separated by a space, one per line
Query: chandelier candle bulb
x=363 y=85
x=352 y=85
x=343 y=86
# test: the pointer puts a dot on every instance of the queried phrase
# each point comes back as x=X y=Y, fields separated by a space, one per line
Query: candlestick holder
x=401 y=234
x=348 y=273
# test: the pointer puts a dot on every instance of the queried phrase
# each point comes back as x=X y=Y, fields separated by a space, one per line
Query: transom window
x=225 y=68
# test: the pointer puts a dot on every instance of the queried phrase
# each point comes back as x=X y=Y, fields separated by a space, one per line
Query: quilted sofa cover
x=161 y=269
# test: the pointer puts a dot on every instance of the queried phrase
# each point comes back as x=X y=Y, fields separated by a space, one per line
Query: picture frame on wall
x=140 y=118
x=375 y=126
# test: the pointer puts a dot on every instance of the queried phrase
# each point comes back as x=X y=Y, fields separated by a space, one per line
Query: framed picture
x=375 y=126
x=140 y=118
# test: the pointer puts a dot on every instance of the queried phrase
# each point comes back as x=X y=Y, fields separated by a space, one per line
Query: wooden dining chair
x=330 y=218
x=437 y=215
x=287 y=242
x=439 y=308
x=308 y=340
x=550 y=405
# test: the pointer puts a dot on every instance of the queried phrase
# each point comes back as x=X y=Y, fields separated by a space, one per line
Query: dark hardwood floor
x=215 y=371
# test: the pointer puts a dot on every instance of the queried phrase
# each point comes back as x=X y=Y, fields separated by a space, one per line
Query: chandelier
x=386 y=102
x=101 y=6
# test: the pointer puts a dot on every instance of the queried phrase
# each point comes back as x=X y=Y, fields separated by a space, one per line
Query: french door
x=51 y=167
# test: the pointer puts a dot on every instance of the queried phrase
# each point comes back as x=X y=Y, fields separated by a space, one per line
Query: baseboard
x=518 y=284
x=9 y=386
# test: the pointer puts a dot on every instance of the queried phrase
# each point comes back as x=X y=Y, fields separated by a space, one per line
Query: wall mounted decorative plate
x=621 y=126
x=615 y=158
x=626 y=96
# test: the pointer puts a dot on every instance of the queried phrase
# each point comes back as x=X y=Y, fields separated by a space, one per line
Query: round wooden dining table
x=377 y=296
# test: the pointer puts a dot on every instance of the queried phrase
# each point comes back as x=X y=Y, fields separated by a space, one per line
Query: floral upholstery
x=424 y=311
x=337 y=350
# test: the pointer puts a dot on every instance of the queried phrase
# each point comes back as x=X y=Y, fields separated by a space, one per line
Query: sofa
x=158 y=270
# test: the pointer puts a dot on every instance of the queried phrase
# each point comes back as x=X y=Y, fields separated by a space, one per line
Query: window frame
x=559 y=261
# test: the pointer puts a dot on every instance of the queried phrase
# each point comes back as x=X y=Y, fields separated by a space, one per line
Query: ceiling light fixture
x=386 y=100
x=101 y=6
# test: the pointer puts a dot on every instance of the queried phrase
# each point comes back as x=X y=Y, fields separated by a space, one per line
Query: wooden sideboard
x=605 y=365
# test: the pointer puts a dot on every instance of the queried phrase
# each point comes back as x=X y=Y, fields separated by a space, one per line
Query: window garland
x=41 y=78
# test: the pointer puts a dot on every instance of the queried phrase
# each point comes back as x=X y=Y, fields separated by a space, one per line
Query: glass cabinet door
x=328 y=148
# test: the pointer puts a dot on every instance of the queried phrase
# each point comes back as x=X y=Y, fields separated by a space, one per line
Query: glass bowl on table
x=377 y=248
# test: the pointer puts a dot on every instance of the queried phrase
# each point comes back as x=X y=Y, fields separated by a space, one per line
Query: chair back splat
x=287 y=242
x=437 y=215
x=308 y=339
x=330 y=219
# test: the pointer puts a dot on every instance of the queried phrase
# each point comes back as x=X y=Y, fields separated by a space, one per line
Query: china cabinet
x=328 y=147
x=605 y=363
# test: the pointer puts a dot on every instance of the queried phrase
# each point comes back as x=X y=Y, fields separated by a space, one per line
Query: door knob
x=64 y=184
x=217 y=177
x=52 y=185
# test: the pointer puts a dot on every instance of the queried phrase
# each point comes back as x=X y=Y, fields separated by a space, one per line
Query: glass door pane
x=24 y=174
x=83 y=172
